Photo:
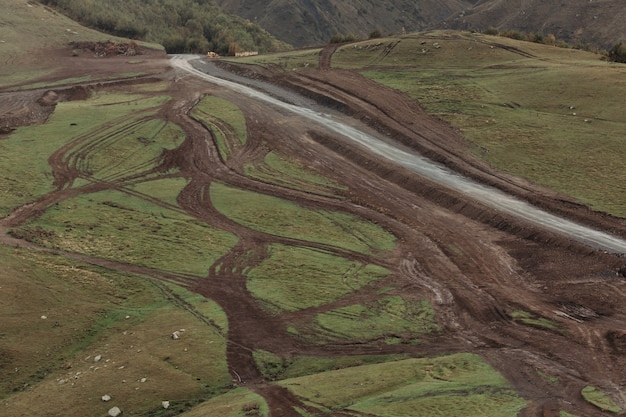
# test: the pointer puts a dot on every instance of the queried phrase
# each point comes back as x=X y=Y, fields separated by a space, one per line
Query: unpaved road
x=475 y=264
x=422 y=166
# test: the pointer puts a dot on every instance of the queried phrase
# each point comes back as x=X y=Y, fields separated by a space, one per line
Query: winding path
x=422 y=166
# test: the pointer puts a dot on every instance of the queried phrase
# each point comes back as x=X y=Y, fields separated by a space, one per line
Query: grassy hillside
x=551 y=115
x=28 y=30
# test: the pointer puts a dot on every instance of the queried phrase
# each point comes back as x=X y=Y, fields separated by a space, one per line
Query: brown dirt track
x=474 y=265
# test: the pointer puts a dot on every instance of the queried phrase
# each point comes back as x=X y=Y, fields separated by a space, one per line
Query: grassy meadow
x=97 y=139
x=277 y=169
x=225 y=121
x=551 y=115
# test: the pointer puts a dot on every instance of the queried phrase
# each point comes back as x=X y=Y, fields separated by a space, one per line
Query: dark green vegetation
x=295 y=278
x=58 y=315
x=179 y=25
x=618 y=53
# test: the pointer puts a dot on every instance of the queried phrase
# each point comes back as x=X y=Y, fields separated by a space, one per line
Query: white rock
x=97 y=358
x=143 y=380
x=115 y=411
x=176 y=335
x=106 y=398
x=165 y=404
x=44 y=317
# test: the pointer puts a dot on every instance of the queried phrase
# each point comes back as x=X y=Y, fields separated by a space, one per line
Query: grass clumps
x=598 y=398
x=114 y=225
x=391 y=319
x=282 y=218
x=294 y=278
x=225 y=121
x=59 y=315
x=279 y=170
x=531 y=320
x=455 y=385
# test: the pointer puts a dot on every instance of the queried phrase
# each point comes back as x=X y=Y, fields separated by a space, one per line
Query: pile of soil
x=106 y=48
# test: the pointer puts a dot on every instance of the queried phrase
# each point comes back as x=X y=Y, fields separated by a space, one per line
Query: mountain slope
x=599 y=22
x=306 y=22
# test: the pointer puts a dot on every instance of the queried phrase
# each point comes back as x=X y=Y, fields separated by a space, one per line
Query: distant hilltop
x=305 y=23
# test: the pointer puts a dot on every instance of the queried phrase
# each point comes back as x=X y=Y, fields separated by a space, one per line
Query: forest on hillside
x=181 y=26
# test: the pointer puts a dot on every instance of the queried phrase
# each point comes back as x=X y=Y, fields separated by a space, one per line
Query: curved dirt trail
x=441 y=175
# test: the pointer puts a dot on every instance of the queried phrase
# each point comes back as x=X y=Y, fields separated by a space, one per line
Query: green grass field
x=114 y=225
x=51 y=339
x=240 y=402
x=282 y=218
x=393 y=318
x=293 y=278
x=455 y=385
x=225 y=121
x=276 y=368
x=554 y=117
x=277 y=169
x=58 y=314
x=598 y=398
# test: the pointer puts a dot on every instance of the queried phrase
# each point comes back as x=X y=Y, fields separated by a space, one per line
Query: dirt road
x=438 y=173
x=475 y=264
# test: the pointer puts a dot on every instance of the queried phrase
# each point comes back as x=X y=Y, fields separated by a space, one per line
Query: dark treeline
x=181 y=26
